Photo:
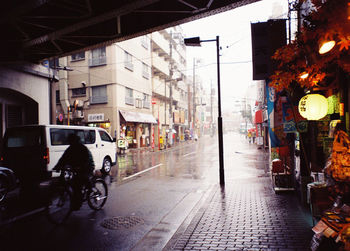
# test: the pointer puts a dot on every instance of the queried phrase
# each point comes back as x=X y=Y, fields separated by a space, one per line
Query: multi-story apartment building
x=109 y=87
x=112 y=87
x=169 y=87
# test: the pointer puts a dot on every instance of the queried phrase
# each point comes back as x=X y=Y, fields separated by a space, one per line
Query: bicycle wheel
x=97 y=194
x=4 y=187
x=60 y=205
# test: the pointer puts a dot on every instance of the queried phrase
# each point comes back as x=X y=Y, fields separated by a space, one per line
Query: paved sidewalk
x=246 y=215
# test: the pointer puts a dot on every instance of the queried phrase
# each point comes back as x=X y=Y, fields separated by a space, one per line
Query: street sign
x=60 y=117
x=154 y=101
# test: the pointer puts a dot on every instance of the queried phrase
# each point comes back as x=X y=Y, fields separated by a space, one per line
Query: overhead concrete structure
x=33 y=30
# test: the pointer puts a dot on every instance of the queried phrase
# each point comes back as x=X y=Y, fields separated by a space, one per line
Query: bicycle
x=60 y=202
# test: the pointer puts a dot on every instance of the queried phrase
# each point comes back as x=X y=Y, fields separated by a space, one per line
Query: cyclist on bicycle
x=79 y=157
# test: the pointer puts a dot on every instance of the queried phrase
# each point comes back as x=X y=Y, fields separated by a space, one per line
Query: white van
x=36 y=149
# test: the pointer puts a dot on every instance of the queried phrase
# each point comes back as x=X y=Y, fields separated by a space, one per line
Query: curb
x=191 y=221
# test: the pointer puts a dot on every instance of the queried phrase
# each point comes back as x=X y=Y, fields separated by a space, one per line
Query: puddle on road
x=131 y=164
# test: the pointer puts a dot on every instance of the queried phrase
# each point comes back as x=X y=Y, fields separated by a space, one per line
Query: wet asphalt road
x=150 y=195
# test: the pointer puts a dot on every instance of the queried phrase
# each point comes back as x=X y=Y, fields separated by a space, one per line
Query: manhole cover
x=121 y=222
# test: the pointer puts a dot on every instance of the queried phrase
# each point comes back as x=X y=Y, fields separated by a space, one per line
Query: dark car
x=8 y=181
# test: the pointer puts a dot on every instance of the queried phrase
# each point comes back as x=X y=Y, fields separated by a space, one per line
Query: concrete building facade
x=109 y=87
x=24 y=95
x=169 y=86
x=127 y=88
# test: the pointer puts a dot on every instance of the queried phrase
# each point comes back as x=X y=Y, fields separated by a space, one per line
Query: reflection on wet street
x=173 y=162
x=159 y=189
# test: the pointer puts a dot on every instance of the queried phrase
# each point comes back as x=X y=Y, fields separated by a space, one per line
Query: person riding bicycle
x=79 y=157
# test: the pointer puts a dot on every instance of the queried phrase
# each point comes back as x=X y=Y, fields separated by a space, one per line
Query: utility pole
x=194 y=95
x=211 y=107
x=171 y=89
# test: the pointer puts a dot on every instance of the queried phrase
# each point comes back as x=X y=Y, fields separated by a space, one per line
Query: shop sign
x=129 y=139
x=341 y=109
x=176 y=117
x=302 y=126
x=289 y=127
x=182 y=117
x=265 y=115
x=153 y=137
x=96 y=117
x=121 y=143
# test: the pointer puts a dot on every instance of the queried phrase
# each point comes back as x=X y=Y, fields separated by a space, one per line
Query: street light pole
x=171 y=91
x=221 y=141
x=195 y=41
x=194 y=96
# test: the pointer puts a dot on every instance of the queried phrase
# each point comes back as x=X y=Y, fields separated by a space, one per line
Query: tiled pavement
x=247 y=215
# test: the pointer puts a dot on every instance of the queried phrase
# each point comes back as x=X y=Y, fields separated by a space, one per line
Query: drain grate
x=121 y=222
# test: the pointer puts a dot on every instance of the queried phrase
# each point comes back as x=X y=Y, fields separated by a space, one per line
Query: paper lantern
x=326 y=46
x=313 y=106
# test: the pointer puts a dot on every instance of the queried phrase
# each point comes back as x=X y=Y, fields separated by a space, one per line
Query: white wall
x=33 y=86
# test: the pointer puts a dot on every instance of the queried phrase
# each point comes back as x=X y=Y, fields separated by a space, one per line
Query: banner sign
x=288 y=119
x=271 y=98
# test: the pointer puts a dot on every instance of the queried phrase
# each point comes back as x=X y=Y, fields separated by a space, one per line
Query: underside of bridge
x=34 y=30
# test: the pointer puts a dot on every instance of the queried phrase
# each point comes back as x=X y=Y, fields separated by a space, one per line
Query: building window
x=146 y=101
x=129 y=96
x=78 y=56
x=98 y=57
x=58 y=97
x=128 y=61
x=99 y=95
x=145 y=42
x=76 y=92
x=145 y=71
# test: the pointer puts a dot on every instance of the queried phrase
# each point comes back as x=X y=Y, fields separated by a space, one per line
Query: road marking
x=143 y=171
x=188 y=154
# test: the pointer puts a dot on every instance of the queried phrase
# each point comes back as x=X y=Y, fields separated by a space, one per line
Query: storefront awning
x=138 y=117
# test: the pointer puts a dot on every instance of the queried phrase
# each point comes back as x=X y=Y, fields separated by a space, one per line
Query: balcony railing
x=129 y=66
x=145 y=74
x=98 y=61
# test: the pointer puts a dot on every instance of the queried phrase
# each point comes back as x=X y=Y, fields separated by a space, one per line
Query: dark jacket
x=79 y=157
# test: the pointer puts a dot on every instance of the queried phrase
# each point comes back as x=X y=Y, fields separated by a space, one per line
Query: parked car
x=8 y=182
x=31 y=152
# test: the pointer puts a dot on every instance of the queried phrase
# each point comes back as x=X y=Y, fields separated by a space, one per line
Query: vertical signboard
x=267 y=37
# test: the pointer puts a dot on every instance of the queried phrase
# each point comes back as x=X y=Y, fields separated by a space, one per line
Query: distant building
x=127 y=88
x=109 y=87
x=169 y=87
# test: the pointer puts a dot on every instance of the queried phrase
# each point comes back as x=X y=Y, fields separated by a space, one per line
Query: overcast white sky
x=233 y=27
